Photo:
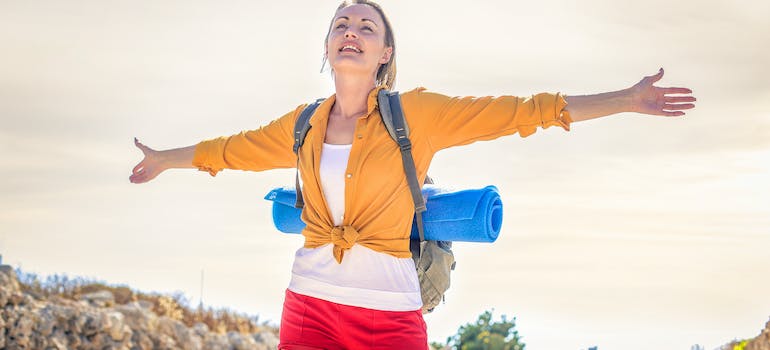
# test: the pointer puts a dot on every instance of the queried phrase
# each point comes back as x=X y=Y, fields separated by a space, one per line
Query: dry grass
x=175 y=306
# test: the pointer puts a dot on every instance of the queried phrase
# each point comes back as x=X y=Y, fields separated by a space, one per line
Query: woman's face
x=356 y=41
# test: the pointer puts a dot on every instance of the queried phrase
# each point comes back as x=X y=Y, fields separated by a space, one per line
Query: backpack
x=434 y=260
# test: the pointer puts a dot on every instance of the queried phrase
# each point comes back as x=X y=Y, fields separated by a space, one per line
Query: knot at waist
x=343 y=238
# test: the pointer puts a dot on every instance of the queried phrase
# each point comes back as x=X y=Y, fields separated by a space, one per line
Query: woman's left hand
x=649 y=99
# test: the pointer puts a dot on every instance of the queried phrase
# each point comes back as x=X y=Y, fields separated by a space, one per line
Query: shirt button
x=360 y=136
x=349 y=175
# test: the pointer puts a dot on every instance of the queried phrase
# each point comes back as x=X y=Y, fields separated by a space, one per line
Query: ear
x=386 y=55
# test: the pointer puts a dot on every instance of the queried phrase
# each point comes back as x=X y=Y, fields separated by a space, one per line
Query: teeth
x=351 y=47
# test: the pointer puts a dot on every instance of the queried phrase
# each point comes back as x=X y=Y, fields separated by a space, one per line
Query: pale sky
x=628 y=232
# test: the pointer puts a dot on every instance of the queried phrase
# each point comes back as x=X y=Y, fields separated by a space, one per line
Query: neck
x=351 y=95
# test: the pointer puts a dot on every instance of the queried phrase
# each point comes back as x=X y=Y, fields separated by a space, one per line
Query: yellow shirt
x=378 y=203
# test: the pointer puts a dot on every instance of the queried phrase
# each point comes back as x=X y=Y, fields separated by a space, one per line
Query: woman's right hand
x=150 y=167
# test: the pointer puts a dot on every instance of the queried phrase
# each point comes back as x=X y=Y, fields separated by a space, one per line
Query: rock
x=166 y=326
x=118 y=330
x=35 y=295
x=11 y=290
x=73 y=339
x=123 y=295
x=4 y=295
x=95 y=321
x=95 y=341
x=201 y=329
x=102 y=298
x=269 y=339
x=762 y=341
x=141 y=341
x=64 y=312
x=16 y=298
x=90 y=323
x=182 y=335
x=76 y=324
x=216 y=342
x=165 y=342
x=2 y=333
x=137 y=317
x=58 y=341
x=47 y=321
x=145 y=304
x=20 y=332
x=241 y=342
x=8 y=279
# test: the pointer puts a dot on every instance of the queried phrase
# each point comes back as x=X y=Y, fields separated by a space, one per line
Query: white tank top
x=365 y=278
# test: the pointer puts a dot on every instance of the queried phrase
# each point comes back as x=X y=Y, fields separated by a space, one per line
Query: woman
x=354 y=284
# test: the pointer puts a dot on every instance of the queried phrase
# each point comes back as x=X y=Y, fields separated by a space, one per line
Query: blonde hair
x=386 y=73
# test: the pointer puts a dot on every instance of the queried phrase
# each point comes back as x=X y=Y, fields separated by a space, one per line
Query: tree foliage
x=484 y=334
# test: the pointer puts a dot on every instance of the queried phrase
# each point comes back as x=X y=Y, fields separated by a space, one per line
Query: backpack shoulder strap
x=387 y=103
x=301 y=127
x=393 y=117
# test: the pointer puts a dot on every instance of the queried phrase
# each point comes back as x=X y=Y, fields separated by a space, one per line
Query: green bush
x=484 y=334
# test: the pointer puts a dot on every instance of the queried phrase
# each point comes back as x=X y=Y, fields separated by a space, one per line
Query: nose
x=350 y=34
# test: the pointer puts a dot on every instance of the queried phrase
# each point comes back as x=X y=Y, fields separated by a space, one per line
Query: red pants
x=309 y=323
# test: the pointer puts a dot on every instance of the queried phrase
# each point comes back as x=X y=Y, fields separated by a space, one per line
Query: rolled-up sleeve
x=268 y=147
x=462 y=120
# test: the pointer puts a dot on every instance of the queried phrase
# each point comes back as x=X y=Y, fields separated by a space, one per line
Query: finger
x=135 y=178
x=140 y=178
x=678 y=106
x=656 y=77
x=670 y=99
x=676 y=90
x=145 y=175
x=140 y=145
x=138 y=167
x=671 y=113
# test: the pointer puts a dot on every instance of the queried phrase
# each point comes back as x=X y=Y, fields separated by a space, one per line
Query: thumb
x=657 y=76
x=141 y=146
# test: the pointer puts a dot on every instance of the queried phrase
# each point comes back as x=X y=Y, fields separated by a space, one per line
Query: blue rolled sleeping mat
x=470 y=215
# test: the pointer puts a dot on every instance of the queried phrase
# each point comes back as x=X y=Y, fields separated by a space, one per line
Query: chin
x=346 y=65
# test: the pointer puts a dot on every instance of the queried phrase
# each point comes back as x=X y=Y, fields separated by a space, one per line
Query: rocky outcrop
x=97 y=322
x=762 y=341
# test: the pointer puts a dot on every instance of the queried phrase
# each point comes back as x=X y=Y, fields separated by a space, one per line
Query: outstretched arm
x=268 y=147
x=155 y=162
x=641 y=98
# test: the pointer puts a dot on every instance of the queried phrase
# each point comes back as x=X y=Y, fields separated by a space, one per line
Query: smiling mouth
x=350 y=48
